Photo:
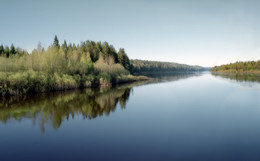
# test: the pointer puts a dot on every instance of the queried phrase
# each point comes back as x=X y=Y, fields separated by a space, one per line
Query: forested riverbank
x=63 y=66
x=239 y=67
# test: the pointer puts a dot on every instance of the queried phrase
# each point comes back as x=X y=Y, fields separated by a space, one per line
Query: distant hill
x=145 y=66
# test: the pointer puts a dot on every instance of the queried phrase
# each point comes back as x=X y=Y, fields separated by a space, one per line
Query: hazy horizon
x=205 y=33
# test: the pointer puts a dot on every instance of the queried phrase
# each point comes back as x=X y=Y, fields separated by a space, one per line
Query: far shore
x=237 y=72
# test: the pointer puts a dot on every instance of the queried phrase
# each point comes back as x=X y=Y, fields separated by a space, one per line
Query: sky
x=195 y=32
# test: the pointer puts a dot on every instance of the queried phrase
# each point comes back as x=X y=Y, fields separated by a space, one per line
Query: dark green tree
x=1 y=50
x=7 y=51
x=12 y=50
x=113 y=53
x=56 y=42
x=123 y=59
x=65 y=46
x=105 y=50
x=98 y=48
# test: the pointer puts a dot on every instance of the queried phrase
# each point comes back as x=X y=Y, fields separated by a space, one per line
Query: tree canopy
x=61 y=67
x=248 y=66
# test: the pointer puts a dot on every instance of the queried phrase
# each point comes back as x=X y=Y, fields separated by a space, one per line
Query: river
x=182 y=117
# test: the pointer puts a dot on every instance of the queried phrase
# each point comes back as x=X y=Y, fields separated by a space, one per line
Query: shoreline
x=237 y=72
x=12 y=90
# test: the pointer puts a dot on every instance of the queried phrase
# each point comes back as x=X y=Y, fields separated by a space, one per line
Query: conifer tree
x=56 y=42
x=1 y=50
x=123 y=59
x=12 y=50
x=7 y=52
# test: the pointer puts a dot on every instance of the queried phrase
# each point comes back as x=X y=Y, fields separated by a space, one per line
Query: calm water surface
x=182 y=117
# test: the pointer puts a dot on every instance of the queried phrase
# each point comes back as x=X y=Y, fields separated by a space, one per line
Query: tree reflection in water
x=56 y=107
x=239 y=77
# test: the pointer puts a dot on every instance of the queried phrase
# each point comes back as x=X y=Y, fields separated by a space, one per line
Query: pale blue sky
x=197 y=32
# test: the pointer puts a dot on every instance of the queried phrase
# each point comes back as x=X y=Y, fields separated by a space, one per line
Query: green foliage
x=12 y=50
x=65 y=48
x=123 y=59
x=60 y=68
x=7 y=51
x=1 y=50
x=104 y=79
x=22 y=82
x=56 y=107
x=240 y=67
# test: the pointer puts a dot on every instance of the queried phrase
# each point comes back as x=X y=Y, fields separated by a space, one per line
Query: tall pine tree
x=123 y=59
x=7 y=52
x=12 y=50
x=1 y=50
x=56 y=42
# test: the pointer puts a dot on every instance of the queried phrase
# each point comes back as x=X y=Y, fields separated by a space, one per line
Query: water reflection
x=56 y=107
x=239 y=77
x=165 y=77
x=199 y=118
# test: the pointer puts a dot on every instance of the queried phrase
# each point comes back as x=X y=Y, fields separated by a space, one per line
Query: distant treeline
x=62 y=66
x=11 y=51
x=241 y=67
x=144 y=66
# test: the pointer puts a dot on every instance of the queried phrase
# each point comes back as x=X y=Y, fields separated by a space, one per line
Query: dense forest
x=144 y=66
x=239 y=67
x=62 y=66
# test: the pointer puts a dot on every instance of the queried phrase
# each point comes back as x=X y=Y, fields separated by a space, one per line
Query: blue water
x=187 y=118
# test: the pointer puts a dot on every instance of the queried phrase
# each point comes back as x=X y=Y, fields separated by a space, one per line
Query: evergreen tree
x=123 y=59
x=65 y=46
x=113 y=53
x=7 y=52
x=56 y=42
x=95 y=54
x=99 y=46
x=1 y=50
x=127 y=63
x=12 y=50
x=105 y=50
